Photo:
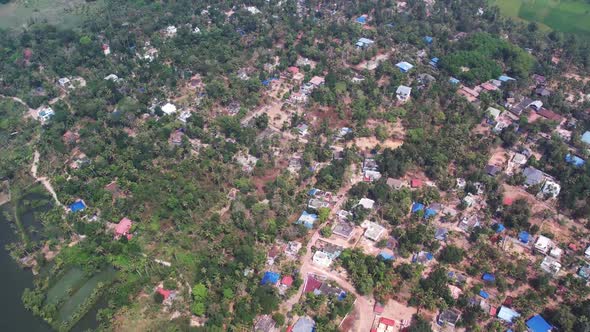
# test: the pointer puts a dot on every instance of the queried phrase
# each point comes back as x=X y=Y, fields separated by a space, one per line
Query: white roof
x=169 y=109
x=494 y=112
x=367 y=203
x=543 y=243
x=403 y=90
x=374 y=231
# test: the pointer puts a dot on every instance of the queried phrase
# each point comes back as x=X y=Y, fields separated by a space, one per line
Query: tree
x=451 y=254
x=158 y=297
x=419 y=324
x=279 y=318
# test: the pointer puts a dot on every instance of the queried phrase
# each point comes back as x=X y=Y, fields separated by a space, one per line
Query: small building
x=302 y=128
x=550 y=265
x=367 y=203
x=171 y=31
x=184 y=116
x=532 y=176
x=492 y=170
x=469 y=200
x=322 y=259
x=374 y=231
x=523 y=237
x=543 y=92
x=493 y=113
x=519 y=159
x=508 y=315
x=123 y=228
x=77 y=206
x=344 y=229
x=405 y=67
x=543 y=244
x=364 y=43
x=416 y=183
x=317 y=81
x=403 y=93
x=65 y=83
x=396 y=183
x=538 y=324
x=385 y=325
x=176 y=137
x=169 y=109
x=449 y=317
x=304 y=324
x=307 y=219
x=265 y=323
x=586 y=138
x=551 y=189
x=270 y=278
x=45 y=113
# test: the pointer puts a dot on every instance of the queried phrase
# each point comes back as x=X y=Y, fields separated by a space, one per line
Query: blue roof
x=417 y=207
x=435 y=60
x=404 y=66
x=454 y=80
x=484 y=294
x=538 y=324
x=313 y=192
x=361 y=19
x=77 y=206
x=386 y=256
x=307 y=219
x=270 y=278
x=429 y=256
x=524 y=237
x=488 y=277
x=500 y=228
x=574 y=160
x=506 y=314
x=505 y=78
x=342 y=296
x=586 y=137
x=428 y=39
x=428 y=213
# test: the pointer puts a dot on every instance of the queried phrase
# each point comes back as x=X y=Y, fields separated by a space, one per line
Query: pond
x=13 y=281
x=77 y=299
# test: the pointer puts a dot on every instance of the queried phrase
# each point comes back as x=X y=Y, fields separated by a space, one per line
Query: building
x=550 y=265
x=396 y=184
x=307 y=219
x=171 y=31
x=344 y=229
x=367 y=203
x=45 y=113
x=508 y=315
x=550 y=189
x=322 y=259
x=304 y=324
x=543 y=244
x=364 y=43
x=270 y=278
x=449 y=317
x=374 y=231
x=532 y=176
x=586 y=138
x=184 y=116
x=385 y=325
x=403 y=93
x=538 y=324
x=123 y=228
x=265 y=323
x=317 y=81
x=78 y=205
x=169 y=109
x=493 y=113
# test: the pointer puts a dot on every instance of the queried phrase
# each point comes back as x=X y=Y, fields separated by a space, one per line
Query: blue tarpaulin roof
x=270 y=278
x=484 y=294
x=505 y=78
x=417 y=207
x=361 y=19
x=429 y=213
x=574 y=160
x=500 y=228
x=77 y=206
x=386 y=256
x=429 y=256
x=313 y=192
x=454 y=80
x=538 y=324
x=428 y=39
x=404 y=66
x=523 y=237
x=488 y=277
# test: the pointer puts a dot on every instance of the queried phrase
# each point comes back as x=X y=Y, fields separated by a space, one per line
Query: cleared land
x=572 y=16
x=66 y=13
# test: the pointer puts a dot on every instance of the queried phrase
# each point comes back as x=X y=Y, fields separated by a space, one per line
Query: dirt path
x=20 y=101
x=363 y=304
x=44 y=180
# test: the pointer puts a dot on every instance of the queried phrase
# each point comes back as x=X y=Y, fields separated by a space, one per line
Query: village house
x=396 y=184
x=551 y=265
x=364 y=43
x=321 y=259
x=123 y=228
x=184 y=116
x=304 y=324
x=265 y=323
x=44 y=114
x=404 y=66
x=449 y=317
x=403 y=93
x=366 y=203
x=176 y=137
x=106 y=49
x=169 y=109
x=307 y=219
x=373 y=231
x=543 y=244
x=170 y=31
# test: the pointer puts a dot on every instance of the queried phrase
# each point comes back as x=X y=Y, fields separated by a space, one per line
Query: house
x=427 y=39
x=469 y=200
x=106 y=50
x=586 y=138
x=253 y=10
x=171 y=31
x=374 y=231
x=361 y=19
x=423 y=257
x=492 y=170
x=523 y=237
x=539 y=79
x=550 y=115
x=454 y=81
x=532 y=176
x=364 y=43
x=416 y=183
x=543 y=244
x=302 y=128
x=176 y=137
x=317 y=81
x=493 y=113
x=366 y=203
x=78 y=205
x=44 y=114
x=184 y=116
x=307 y=219
x=508 y=315
x=470 y=94
x=417 y=207
x=385 y=325
x=293 y=248
x=404 y=66
x=167 y=295
x=556 y=252
x=536 y=105
x=396 y=184
x=304 y=324
x=65 y=83
x=550 y=265
x=270 y=278
x=520 y=107
x=538 y=324
x=123 y=228
x=322 y=259
x=293 y=70
x=587 y=253
x=519 y=159
x=543 y=92
x=467 y=223
x=169 y=109
x=550 y=189
x=298 y=98
x=247 y=161
x=344 y=229
x=441 y=234
x=584 y=272
x=312 y=284
x=112 y=78
x=488 y=86
x=434 y=62
x=265 y=323
x=505 y=78
x=403 y=93
x=449 y=317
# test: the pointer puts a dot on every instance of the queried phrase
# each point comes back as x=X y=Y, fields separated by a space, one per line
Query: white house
x=374 y=231
x=45 y=113
x=65 y=83
x=543 y=244
x=493 y=113
x=169 y=109
x=587 y=253
x=184 y=116
x=171 y=31
x=367 y=203
x=403 y=93
x=551 y=189
x=196 y=30
x=112 y=77
x=322 y=259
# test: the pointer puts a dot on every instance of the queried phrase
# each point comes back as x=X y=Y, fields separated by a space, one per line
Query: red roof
x=507 y=201
x=387 y=321
x=287 y=280
x=573 y=246
x=378 y=308
x=123 y=227
x=165 y=293
x=416 y=183
x=311 y=284
x=293 y=70
x=489 y=87
x=493 y=311
x=550 y=115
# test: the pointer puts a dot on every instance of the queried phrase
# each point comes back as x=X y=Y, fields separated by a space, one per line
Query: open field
x=66 y=13
x=571 y=16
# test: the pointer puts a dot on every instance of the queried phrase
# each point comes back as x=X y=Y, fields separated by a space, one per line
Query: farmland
x=570 y=16
x=67 y=13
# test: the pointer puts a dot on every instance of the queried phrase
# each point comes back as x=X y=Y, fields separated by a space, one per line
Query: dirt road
x=44 y=180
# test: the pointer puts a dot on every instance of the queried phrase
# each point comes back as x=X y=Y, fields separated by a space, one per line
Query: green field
x=571 y=16
x=66 y=13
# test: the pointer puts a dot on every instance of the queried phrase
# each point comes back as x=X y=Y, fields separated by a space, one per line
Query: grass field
x=571 y=16
x=67 y=13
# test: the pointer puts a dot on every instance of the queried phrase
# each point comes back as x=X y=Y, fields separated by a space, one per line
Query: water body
x=13 y=281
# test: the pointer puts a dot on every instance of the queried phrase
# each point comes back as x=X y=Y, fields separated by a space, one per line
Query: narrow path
x=20 y=101
x=44 y=180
